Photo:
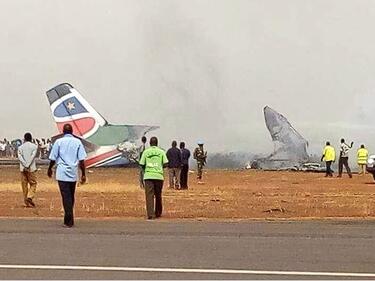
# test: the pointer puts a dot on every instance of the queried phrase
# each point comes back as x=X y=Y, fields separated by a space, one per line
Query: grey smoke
x=199 y=69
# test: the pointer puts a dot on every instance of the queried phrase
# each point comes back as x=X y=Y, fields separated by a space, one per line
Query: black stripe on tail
x=58 y=92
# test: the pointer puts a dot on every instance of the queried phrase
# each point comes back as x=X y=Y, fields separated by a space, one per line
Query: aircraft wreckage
x=290 y=148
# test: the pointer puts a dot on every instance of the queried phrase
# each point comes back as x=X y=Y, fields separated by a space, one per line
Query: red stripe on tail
x=80 y=126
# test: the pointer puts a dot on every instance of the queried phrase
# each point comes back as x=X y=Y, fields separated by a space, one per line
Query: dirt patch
x=225 y=195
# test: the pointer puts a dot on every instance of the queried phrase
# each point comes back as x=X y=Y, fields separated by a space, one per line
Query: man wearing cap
x=200 y=156
x=68 y=153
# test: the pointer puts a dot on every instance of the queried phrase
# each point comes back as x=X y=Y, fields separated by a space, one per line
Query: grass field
x=226 y=194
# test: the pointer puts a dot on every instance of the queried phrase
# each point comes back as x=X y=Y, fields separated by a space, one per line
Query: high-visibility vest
x=362 y=156
x=329 y=153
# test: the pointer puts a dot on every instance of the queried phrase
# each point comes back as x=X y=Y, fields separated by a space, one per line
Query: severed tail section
x=68 y=106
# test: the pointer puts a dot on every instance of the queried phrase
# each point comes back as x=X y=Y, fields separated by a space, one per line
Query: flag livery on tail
x=68 y=106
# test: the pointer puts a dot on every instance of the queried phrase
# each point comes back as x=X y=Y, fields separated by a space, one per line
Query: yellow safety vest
x=362 y=155
x=329 y=153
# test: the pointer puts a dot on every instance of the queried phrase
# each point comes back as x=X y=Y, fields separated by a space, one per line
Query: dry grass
x=226 y=195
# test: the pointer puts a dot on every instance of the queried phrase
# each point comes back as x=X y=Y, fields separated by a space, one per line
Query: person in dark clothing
x=185 y=155
x=141 y=169
x=174 y=166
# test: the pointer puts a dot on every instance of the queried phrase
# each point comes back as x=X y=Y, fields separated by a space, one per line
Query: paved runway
x=186 y=250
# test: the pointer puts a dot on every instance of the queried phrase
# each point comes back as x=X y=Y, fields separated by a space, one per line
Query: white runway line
x=185 y=270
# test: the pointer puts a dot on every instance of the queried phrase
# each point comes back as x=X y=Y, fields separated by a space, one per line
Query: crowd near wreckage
x=290 y=148
x=87 y=140
x=118 y=145
x=9 y=150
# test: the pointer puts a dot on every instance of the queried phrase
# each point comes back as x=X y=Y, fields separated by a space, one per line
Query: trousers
x=184 y=176
x=199 y=170
x=328 y=169
x=67 y=190
x=141 y=174
x=343 y=161
x=174 y=177
x=154 y=205
x=28 y=182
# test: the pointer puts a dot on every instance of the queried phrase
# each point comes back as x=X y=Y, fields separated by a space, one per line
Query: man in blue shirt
x=68 y=152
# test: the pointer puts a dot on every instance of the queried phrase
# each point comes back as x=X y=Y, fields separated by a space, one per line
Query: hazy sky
x=199 y=69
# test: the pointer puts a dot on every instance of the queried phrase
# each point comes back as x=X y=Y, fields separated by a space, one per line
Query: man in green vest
x=153 y=160
x=329 y=156
x=362 y=155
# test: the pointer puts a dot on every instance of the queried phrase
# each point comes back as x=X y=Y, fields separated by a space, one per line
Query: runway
x=40 y=249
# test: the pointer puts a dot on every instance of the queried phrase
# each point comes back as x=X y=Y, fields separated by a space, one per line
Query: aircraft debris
x=290 y=148
x=280 y=209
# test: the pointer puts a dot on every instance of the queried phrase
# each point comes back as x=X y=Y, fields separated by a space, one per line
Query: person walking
x=362 y=155
x=141 y=170
x=329 y=156
x=26 y=155
x=153 y=161
x=200 y=156
x=344 y=158
x=68 y=153
x=185 y=155
x=174 y=166
x=8 y=149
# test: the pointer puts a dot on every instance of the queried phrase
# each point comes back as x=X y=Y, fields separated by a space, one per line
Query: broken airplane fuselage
x=290 y=148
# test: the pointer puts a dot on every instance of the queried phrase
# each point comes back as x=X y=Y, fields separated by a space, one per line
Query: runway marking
x=185 y=270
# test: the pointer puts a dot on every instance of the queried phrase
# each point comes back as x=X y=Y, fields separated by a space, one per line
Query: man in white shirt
x=26 y=155
x=344 y=158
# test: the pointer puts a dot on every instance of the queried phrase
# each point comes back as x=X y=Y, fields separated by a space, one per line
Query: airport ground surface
x=161 y=249
x=206 y=232
x=246 y=194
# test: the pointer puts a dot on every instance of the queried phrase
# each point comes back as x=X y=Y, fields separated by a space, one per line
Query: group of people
x=152 y=162
x=178 y=165
x=9 y=149
x=329 y=157
x=68 y=154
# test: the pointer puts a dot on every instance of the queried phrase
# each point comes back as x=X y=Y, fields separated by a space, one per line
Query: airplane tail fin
x=68 y=106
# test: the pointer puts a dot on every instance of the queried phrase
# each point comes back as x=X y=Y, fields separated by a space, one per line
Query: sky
x=201 y=70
